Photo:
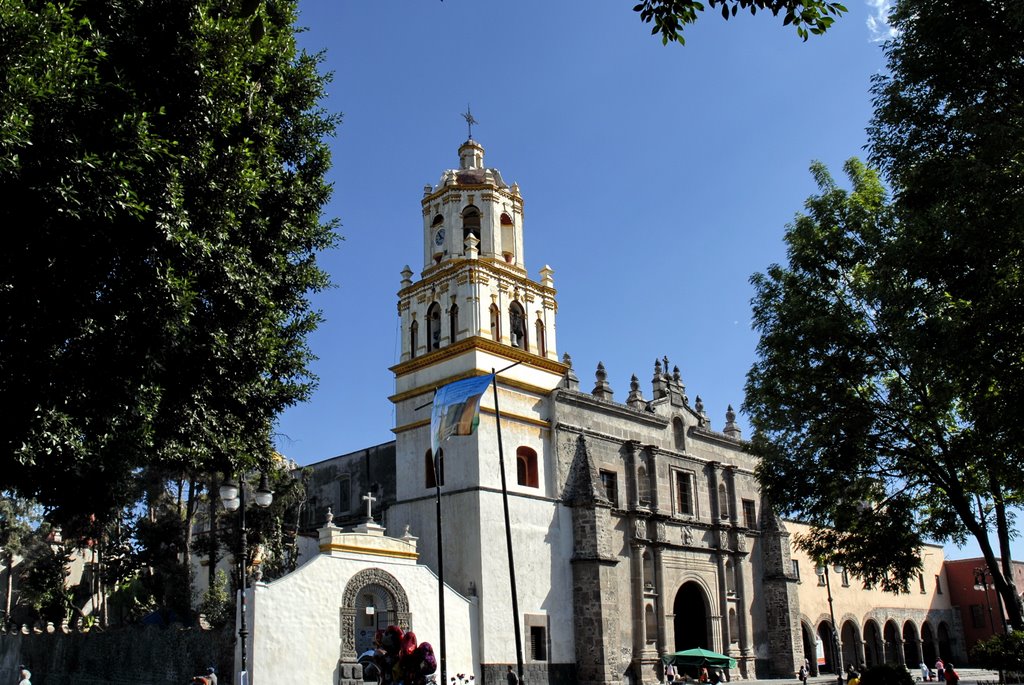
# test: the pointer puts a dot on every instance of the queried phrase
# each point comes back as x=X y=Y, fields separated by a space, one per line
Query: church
x=636 y=529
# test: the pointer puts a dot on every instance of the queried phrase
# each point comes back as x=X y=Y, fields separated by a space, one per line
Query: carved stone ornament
x=687 y=535
x=659 y=529
x=396 y=596
x=640 y=528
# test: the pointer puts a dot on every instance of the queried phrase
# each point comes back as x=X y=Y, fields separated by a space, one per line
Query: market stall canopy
x=698 y=657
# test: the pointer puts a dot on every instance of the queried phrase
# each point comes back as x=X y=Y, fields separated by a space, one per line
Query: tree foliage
x=890 y=359
x=161 y=181
x=669 y=17
x=1002 y=652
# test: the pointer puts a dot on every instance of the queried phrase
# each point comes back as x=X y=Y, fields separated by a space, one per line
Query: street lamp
x=232 y=495
x=982 y=577
x=822 y=570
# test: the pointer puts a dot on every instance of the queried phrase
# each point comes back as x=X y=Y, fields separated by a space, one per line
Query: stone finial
x=570 y=381
x=330 y=519
x=472 y=245
x=636 y=398
x=515 y=189
x=546 y=279
x=659 y=381
x=698 y=406
x=427 y=189
x=406 y=276
x=675 y=388
x=602 y=390
x=665 y=359
x=731 y=429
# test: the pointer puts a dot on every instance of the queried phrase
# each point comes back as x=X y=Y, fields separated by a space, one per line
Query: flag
x=457 y=409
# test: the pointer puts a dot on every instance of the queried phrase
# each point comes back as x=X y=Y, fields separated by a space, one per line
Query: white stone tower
x=475 y=309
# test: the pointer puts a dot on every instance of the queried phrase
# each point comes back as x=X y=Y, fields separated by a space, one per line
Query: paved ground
x=968 y=676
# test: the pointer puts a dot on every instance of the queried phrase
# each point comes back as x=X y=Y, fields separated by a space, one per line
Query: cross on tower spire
x=468 y=116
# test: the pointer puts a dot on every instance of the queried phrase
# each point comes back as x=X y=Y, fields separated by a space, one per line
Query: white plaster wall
x=296 y=620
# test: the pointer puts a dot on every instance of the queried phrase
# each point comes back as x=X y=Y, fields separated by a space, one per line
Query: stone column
x=716 y=507
x=723 y=599
x=655 y=480
x=662 y=610
x=639 y=625
x=633 y=461
x=745 y=639
x=730 y=485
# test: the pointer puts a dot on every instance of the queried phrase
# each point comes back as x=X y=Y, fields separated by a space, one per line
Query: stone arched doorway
x=911 y=645
x=945 y=644
x=928 y=644
x=828 y=644
x=851 y=645
x=874 y=650
x=892 y=643
x=373 y=598
x=691 y=622
x=809 y=640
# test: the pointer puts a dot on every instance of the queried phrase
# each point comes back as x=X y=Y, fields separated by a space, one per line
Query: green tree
x=161 y=181
x=890 y=354
x=948 y=131
x=18 y=519
x=670 y=17
x=857 y=405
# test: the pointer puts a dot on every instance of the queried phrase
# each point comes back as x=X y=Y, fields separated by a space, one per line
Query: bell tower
x=474 y=308
x=474 y=282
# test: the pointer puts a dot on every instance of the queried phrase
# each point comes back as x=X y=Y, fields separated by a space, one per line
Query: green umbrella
x=699 y=657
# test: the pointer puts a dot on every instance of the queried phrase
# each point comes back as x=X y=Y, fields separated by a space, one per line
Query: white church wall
x=296 y=620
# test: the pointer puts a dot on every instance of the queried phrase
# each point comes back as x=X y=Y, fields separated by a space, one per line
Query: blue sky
x=656 y=178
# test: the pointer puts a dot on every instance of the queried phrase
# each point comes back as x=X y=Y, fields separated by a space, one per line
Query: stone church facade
x=637 y=529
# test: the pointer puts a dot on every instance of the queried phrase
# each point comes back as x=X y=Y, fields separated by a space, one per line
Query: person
x=854 y=678
x=803 y=674
x=512 y=678
x=670 y=673
x=211 y=675
x=926 y=675
x=952 y=677
x=940 y=670
x=26 y=677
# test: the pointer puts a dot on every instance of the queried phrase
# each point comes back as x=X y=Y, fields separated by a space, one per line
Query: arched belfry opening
x=691 y=618
x=470 y=223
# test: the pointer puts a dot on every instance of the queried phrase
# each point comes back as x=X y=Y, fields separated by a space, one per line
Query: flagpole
x=508 y=529
x=440 y=567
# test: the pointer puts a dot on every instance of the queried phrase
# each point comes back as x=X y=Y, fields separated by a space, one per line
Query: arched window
x=434 y=477
x=526 y=467
x=438 y=220
x=679 y=434
x=453 y=323
x=542 y=348
x=517 y=325
x=495 y=323
x=414 y=338
x=508 y=239
x=643 y=485
x=723 y=501
x=434 y=327
x=470 y=223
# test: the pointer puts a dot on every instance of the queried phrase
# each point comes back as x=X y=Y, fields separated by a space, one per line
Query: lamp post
x=232 y=495
x=822 y=570
x=981 y=584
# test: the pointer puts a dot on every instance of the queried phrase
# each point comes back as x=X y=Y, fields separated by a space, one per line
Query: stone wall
x=140 y=655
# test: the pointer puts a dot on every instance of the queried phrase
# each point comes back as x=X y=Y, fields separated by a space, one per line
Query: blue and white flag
x=456 y=409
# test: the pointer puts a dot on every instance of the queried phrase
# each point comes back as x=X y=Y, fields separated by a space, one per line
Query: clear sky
x=656 y=179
